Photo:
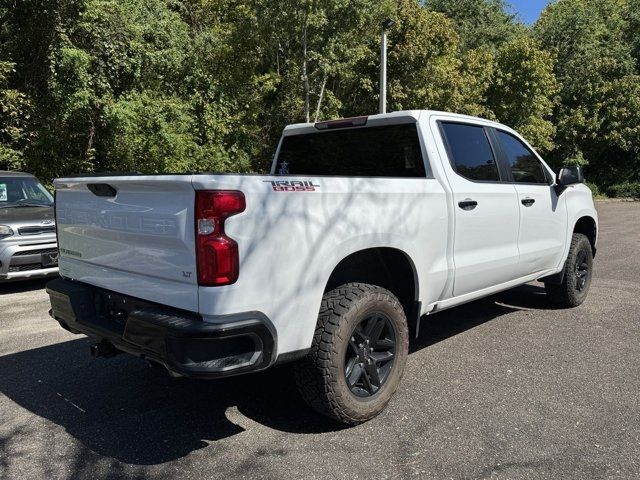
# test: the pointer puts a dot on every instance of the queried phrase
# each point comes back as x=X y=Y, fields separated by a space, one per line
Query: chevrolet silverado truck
x=28 y=247
x=363 y=227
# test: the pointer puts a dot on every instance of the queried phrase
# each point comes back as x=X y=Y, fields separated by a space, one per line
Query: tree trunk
x=320 y=97
x=91 y=136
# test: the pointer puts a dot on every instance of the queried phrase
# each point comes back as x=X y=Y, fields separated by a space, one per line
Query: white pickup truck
x=364 y=226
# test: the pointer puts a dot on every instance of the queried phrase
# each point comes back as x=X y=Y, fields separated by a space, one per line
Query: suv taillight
x=217 y=254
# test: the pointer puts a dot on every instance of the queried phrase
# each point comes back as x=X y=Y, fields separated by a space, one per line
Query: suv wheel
x=578 y=271
x=358 y=353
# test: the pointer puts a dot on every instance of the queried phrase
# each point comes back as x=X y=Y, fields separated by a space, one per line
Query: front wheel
x=358 y=353
x=578 y=271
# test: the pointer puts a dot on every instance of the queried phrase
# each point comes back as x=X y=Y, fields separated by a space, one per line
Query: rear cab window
x=381 y=151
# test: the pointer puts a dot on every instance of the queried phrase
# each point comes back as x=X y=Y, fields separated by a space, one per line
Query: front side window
x=471 y=152
x=23 y=191
x=525 y=166
x=389 y=151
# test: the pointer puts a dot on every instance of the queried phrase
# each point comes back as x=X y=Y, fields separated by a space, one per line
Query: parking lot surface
x=505 y=388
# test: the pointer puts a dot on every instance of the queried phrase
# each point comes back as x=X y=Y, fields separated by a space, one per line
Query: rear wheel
x=578 y=271
x=358 y=353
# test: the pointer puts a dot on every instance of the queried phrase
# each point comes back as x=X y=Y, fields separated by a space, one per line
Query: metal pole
x=383 y=72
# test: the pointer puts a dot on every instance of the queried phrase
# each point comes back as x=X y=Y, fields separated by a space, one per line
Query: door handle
x=468 y=204
x=527 y=202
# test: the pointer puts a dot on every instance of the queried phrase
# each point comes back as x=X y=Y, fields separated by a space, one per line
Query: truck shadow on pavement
x=123 y=409
x=23 y=286
x=448 y=323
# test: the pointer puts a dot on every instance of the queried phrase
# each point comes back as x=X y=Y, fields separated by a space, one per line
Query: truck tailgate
x=133 y=235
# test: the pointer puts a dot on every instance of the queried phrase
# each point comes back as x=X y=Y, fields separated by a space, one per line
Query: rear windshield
x=388 y=151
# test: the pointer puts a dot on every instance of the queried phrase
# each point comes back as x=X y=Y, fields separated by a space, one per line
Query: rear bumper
x=181 y=341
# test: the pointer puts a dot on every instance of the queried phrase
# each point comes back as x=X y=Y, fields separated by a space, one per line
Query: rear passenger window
x=471 y=152
x=387 y=151
x=525 y=167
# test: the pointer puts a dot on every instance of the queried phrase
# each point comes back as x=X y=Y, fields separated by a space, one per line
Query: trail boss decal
x=292 y=185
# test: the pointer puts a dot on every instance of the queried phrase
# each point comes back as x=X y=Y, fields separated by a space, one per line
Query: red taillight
x=217 y=254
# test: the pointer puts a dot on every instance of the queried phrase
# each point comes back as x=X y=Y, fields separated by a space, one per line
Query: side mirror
x=570 y=176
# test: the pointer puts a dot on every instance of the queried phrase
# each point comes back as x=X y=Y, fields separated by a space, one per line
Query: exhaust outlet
x=103 y=349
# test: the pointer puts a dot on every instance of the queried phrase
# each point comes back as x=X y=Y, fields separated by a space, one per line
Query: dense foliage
x=207 y=85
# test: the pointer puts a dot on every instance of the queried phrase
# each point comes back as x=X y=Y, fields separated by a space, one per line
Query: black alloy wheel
x=370 y=355
x=582 y=270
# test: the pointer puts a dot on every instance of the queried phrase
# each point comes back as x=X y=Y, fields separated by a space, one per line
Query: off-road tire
x=573 y=290
x=321 y=376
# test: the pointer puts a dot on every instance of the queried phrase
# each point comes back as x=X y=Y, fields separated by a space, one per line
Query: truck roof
x=7 y=173
x=403 y=116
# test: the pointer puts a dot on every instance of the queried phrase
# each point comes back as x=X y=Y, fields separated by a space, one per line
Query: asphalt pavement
x=503 y=388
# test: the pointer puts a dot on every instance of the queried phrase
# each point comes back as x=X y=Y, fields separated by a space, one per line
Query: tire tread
x=316 y=375
x=565 y=294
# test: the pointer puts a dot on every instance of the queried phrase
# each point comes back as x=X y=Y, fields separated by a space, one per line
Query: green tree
x=15 y=109
x=100 y=63
x=522 y=90
x=425 y=67
x=633 y=29
x=597 y=116
x=480 y=23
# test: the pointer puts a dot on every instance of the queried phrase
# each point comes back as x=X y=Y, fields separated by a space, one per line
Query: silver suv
x=27 y=228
